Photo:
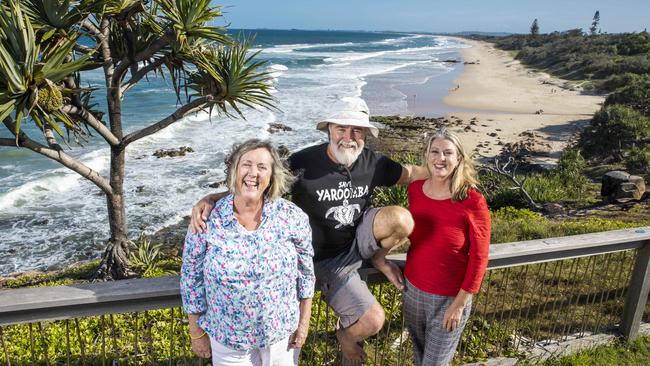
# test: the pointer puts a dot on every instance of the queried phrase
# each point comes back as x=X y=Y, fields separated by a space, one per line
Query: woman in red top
x=449 y=250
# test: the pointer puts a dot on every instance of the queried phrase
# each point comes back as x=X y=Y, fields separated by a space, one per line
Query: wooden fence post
x=637 y=294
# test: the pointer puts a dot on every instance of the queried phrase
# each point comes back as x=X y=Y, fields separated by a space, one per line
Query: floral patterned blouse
x=246 y=284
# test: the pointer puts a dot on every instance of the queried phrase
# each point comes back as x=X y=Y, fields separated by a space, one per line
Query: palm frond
x=61 y=15
x=233 y=77
x=18 y=51
x=120 y=7
x=6 y=109
x=190 y=18
x=25 y=70
x=147 y=257
x=55 y=67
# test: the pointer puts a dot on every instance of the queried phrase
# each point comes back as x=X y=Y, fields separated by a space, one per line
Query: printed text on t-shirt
x=342 y=192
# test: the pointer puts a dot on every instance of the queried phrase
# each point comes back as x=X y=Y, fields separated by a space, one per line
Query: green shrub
x=620 y=80
x=571 y=168
x=638 y=160
x=571 y=162
x=566 y=183
x=636 y=95
x=511 y=224
x=613 y=130
x=546 y=187
x=97 y=338
x=498 y=191
x=147 y=259
x=396 y=195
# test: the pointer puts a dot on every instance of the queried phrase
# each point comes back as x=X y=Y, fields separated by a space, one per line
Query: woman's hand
x=452 y=317
x=298 y=338
x=201 y=347
x=199 y=338
x=454 y=313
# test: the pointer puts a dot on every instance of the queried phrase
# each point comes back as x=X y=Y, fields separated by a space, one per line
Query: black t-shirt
x=334 y=197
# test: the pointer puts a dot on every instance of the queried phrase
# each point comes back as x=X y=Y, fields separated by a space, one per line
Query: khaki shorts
x=341 y=286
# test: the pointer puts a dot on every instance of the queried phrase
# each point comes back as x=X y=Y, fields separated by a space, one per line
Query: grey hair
x=281 y=177
x=464 y=176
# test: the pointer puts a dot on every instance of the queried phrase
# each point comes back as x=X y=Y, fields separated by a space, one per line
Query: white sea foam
x=392 y=41
x=49 y=184
x=355 y=56
x=333 y=64
x=278 y=67
x=275 y=71
x=287 y=48
x=65 y=218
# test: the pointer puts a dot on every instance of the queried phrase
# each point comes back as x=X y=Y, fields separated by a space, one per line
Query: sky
x=437 y=16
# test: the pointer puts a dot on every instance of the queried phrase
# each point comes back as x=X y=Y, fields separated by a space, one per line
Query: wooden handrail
x=27 y=305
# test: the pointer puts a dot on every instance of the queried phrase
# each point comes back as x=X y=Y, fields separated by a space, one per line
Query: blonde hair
x=281 y=177
x=463 y=178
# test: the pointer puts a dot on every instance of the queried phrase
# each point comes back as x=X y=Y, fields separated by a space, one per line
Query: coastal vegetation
x=616 y=64
x=621 y=353
x=577 y=56
x=45 y=46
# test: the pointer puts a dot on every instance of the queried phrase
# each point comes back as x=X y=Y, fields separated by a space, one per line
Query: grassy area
x=512 y=224
x=620 y=353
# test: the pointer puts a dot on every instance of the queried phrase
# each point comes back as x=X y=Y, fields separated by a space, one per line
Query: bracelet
x=199 y=337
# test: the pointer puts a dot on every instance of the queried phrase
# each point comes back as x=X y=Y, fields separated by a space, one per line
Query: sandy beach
x=509 y=99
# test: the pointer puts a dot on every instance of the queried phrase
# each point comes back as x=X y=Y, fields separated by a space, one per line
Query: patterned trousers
x=423 y=313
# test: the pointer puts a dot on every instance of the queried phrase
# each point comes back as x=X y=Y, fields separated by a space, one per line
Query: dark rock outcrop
x=620 y=186
x=277 y=127
x=530 y=145
x=181 y=151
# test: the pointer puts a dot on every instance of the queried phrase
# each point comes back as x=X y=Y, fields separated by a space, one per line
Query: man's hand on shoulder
x=201 y=211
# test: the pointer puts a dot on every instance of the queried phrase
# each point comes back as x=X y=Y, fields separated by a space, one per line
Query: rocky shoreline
x=398 y=136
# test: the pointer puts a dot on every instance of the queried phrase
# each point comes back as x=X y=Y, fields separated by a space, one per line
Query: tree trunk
x=114 y=265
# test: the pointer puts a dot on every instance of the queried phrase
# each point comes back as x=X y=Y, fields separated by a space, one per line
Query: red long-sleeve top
x=450 y=242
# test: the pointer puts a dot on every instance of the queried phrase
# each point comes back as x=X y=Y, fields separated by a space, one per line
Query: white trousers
x=278 y=354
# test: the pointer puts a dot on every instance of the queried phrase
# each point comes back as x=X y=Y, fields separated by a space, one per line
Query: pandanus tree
x=45 y=45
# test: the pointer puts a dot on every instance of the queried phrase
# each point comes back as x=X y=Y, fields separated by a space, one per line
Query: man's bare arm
x=201 y=211
x=412 y=173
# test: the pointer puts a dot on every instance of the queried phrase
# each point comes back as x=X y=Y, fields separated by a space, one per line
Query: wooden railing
x=527 y=285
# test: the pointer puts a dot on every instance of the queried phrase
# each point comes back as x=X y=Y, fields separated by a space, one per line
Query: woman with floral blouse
x=247 y=281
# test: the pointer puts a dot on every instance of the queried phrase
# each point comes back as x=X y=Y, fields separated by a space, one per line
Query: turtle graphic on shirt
x=343 y=214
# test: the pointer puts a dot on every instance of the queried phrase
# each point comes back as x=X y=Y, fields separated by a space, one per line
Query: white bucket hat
x=358 y=118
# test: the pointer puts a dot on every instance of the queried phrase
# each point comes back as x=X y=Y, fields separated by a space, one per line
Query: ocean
x=51 y=217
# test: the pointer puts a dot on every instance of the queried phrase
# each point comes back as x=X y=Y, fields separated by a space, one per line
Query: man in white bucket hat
x=334 y=187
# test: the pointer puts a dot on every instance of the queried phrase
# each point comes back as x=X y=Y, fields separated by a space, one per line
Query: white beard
x=346 y=156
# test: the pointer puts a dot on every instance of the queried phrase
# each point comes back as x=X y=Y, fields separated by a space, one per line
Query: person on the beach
x=448 y=255
x=334 y=184
x=247 y=281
